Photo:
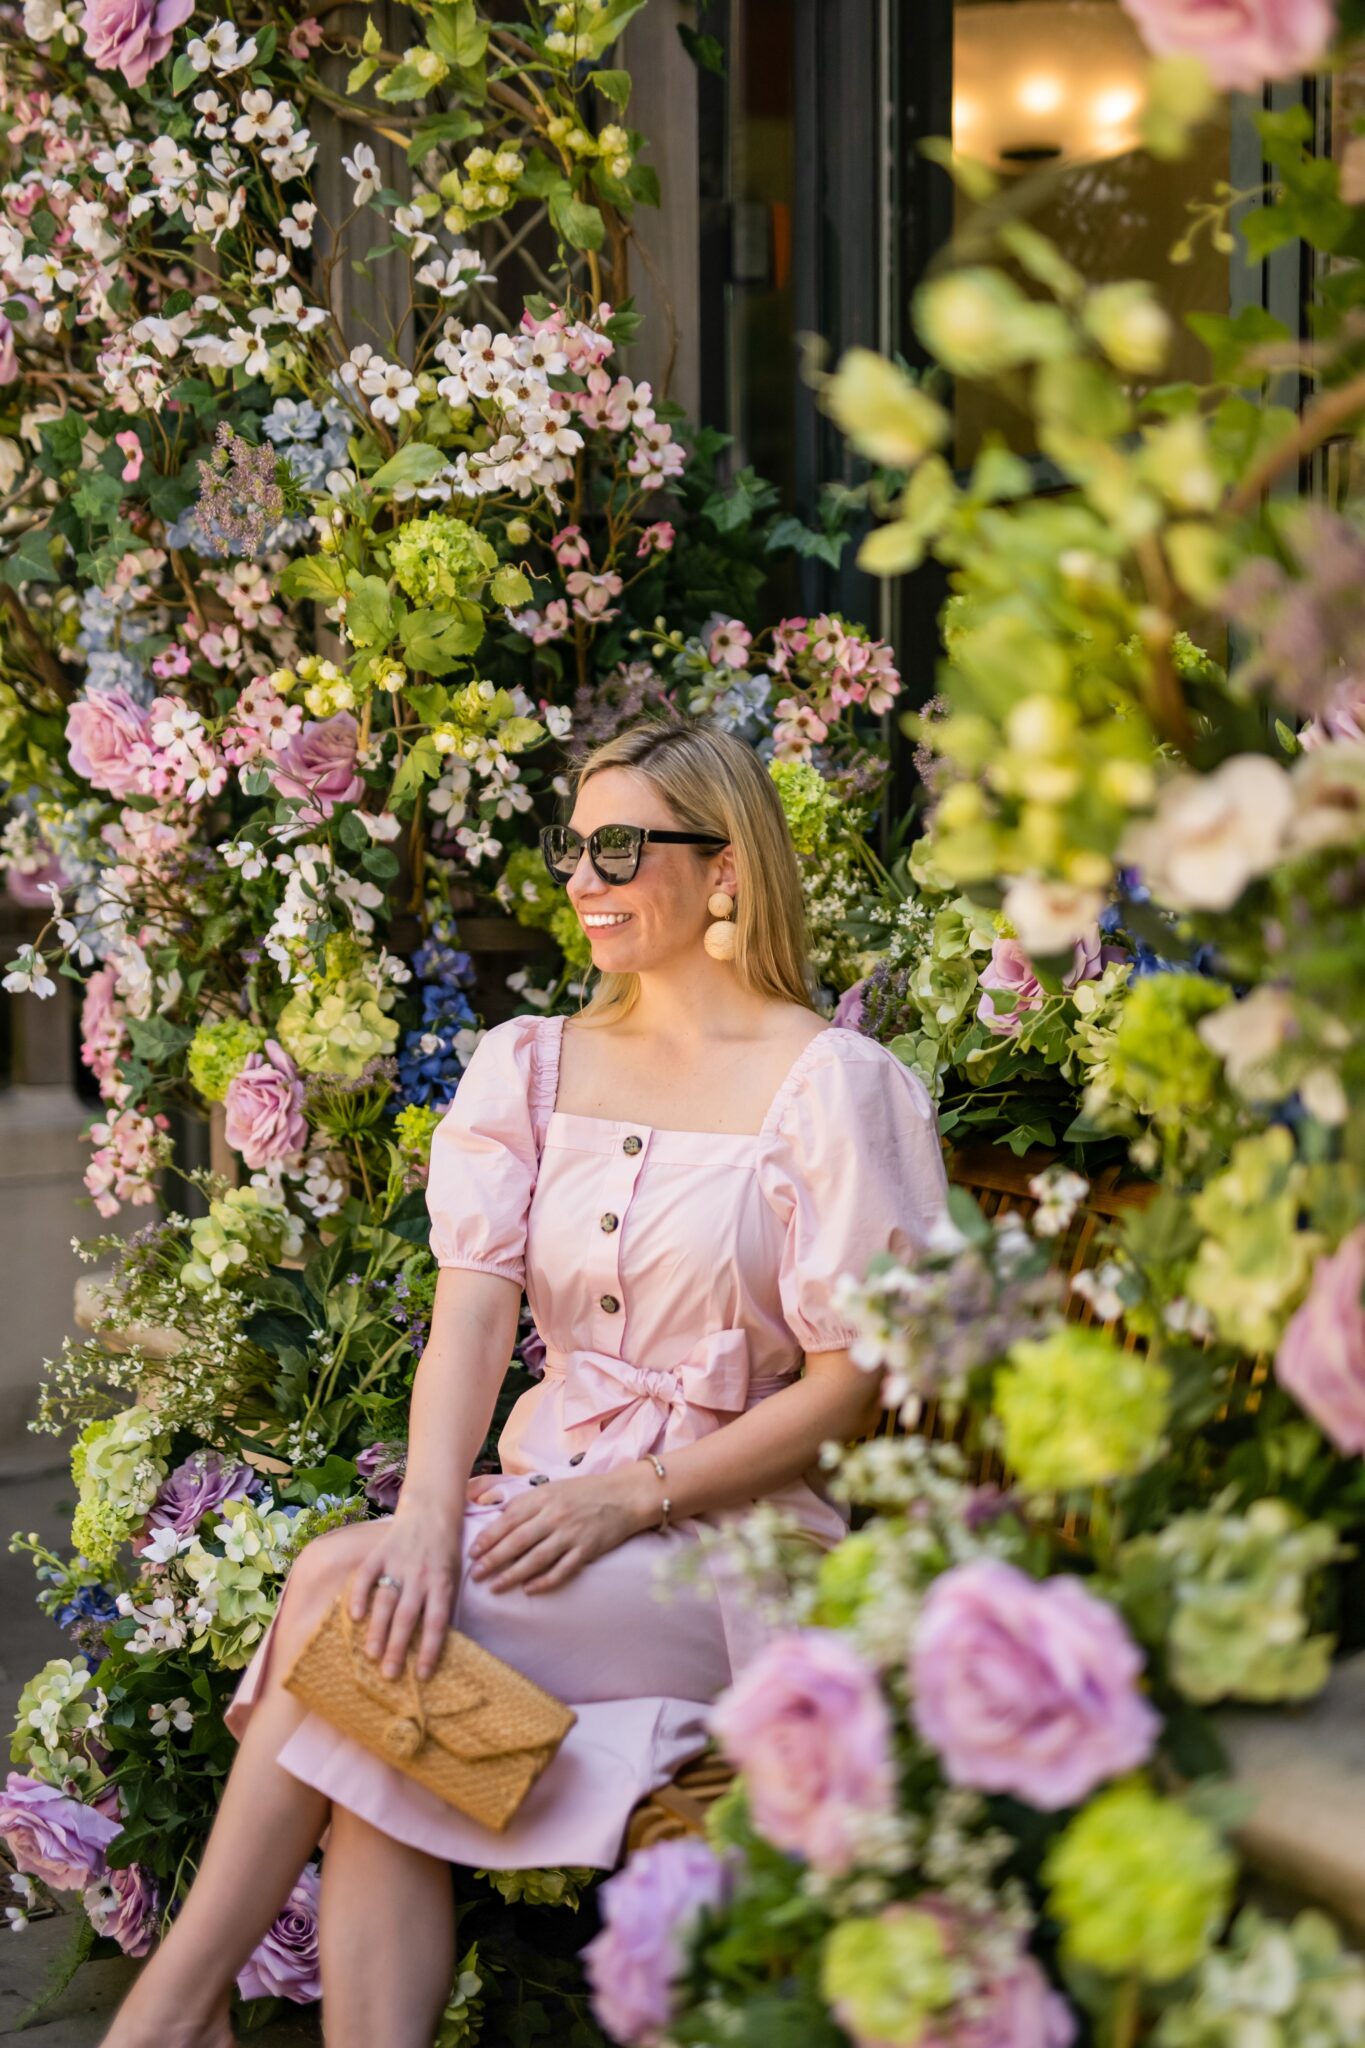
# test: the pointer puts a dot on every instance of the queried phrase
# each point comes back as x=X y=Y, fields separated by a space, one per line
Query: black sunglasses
x=614 y=850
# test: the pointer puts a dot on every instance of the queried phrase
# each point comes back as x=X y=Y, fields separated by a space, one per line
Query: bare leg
x=388 y=1938
x=266 y=1827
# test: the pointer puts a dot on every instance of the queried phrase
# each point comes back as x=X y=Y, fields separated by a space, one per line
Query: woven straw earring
x=721 y=938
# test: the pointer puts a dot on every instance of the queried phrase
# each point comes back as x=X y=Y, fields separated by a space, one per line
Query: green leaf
x=379 y=861
x=510 y=587
x=320 y=577
x=436 y=641
x=417 y=463
x=369 y=611
x=183 y=75
x=421 y=764
x=540 y=178
x=706 y=52
x=404 y=82
x=580 y=224
x=613 y=85
x=360 y=75
x=457 y=34
x=31 y=561
x=456 y=126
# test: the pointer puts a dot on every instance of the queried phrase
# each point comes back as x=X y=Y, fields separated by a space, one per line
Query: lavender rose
x=382 y=1467
x=808 y=1726
x=204 y=1481
x=648 y=1912
x=132 y=35
x=317 y=767
x=53 y=1836
x=1011 y=970
x=108 y=740
x=9 y=354
x=1321 y=1359
x=1027 y=1687
x=123 y=1903
x=284 y=1963
x=848 y=1011
x=264 y=1106
x=1242 y=42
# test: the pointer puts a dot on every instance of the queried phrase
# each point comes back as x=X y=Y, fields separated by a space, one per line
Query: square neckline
x=775 y=1108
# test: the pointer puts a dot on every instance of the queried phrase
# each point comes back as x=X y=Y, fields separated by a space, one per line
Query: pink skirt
x=640 y=1663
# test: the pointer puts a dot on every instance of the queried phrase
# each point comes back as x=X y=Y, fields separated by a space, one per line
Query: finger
x=435 y=1625
x=511 y=1543
x=568 y=1567
x=481 y=1484
x=536 y=1559
x=362 y=1584
x=401 y=1626
x=512 y=1517
x=381 y=1614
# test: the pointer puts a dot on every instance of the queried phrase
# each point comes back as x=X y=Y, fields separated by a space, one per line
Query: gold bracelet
x=658 y=1464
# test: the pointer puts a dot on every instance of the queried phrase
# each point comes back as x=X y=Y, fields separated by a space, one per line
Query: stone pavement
x=36 y=1494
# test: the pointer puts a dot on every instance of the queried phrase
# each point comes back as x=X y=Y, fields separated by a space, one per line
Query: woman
x=678 y=1175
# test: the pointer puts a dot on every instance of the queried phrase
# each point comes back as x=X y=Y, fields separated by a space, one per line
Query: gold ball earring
x=721 y=938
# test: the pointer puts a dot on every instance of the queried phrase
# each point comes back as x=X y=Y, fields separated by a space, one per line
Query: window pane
x=1057 y=85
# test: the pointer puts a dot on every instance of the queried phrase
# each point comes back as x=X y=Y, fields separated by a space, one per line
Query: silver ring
x=387 y=1579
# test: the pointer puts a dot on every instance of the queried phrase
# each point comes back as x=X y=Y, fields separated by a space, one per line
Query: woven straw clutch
x=476 y=1733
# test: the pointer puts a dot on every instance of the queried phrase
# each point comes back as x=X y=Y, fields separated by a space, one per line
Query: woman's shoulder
x=840 y=1072
x=520 y=1055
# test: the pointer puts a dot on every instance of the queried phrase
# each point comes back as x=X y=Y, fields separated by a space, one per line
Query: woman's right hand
x=421 y=1547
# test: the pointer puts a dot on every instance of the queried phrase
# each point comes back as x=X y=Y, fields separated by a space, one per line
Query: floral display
x=310 y=589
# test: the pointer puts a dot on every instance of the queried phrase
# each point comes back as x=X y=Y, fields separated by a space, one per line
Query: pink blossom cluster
x=263 y=722
x=130 y=1151
x=161 y=750
x=104 y=1031
x=831 y=666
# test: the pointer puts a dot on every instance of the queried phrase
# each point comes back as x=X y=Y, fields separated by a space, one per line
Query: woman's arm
x=542 y=1539
x=473 y=1329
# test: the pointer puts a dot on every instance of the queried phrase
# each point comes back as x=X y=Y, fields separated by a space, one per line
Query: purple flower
x=123 y=1903
x=848 y=1011
x=9 y=355
x=284 y=1963
x=809 y=1727
x=264 y=1106
x=53 y=1836
x=317 y=767
x=204 y=1481
x=1321 y=1359
x=1018 y=2009
x=1027 y=1687
x=132 y=35
x=382 y=1467
x=648 y=1912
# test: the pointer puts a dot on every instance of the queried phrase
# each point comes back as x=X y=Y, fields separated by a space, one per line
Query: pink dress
x=677 y=1278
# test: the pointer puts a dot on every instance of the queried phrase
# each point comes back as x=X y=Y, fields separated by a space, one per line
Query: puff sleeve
x=852 y=1167
x=484 y=1158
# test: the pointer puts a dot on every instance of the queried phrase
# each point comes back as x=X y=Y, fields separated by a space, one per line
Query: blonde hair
x=714 y=783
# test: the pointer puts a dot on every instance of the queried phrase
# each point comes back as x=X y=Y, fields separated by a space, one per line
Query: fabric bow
x=638 y=1408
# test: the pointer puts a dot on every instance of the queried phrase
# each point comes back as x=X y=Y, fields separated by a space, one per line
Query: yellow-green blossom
x=118 y=1465
x=238 y=1590
x=1076 y=1410
x=1253 y=1262
x=438 y=559
x=1139 y=1884
x=60 y=1710
x=338 y=1028
x=219 y=1051
x=541 y=1887
x=885 y=1978
x=246 y=1228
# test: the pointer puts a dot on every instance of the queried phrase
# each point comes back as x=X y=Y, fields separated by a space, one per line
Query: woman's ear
x=725 y=874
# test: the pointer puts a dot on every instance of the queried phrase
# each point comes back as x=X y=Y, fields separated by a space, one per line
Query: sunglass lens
x=561 y=849
x=617 y=851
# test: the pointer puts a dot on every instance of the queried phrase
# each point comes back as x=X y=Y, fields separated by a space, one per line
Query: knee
x=323 y=1567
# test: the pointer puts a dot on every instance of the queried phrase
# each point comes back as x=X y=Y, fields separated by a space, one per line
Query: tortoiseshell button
x=609 y=1303
x=609 y=1222
x=631 y=1144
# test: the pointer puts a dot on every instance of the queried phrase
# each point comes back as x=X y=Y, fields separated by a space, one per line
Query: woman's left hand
x=546 y=1534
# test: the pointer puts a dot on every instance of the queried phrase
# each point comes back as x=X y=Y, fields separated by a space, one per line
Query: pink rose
x=9 y=355
x=317 y=767
x=1342 y=717
x=648 y=1912
x=1242 y=42
x=264 y=1105
x=808 y=1726
x=1011 y=970
x=54 y=1837
x=848 y=1011
x=108 y=738
x=123 y=1905
x=1015 y=2008
x=1028 y=1687
x=132 y=35
x=1321 y=1359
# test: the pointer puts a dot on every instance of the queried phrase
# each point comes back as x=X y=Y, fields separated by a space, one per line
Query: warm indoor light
x=1114 y=107
x=964 y=113
x=1039 y=95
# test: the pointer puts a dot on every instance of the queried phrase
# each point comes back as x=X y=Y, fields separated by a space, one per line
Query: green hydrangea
x=1273 y=1986
x=413 y=1129
x=541 y=1887
x=1230 y=1594
x=338 y=1027
x=236 y=1567
x=219 y=1051
x=809 y=804
x=245 y=1229
x=885 y=1978
x=1076 y=1410
x=439 y=559
x=1158 y=1063
x=525 y=889
x=59 y=1711
x=1253 y=1262
x=118 y=1465
x=462 y=2021
x=843 y=1580
x=1139 y=1884
x=570 y=936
